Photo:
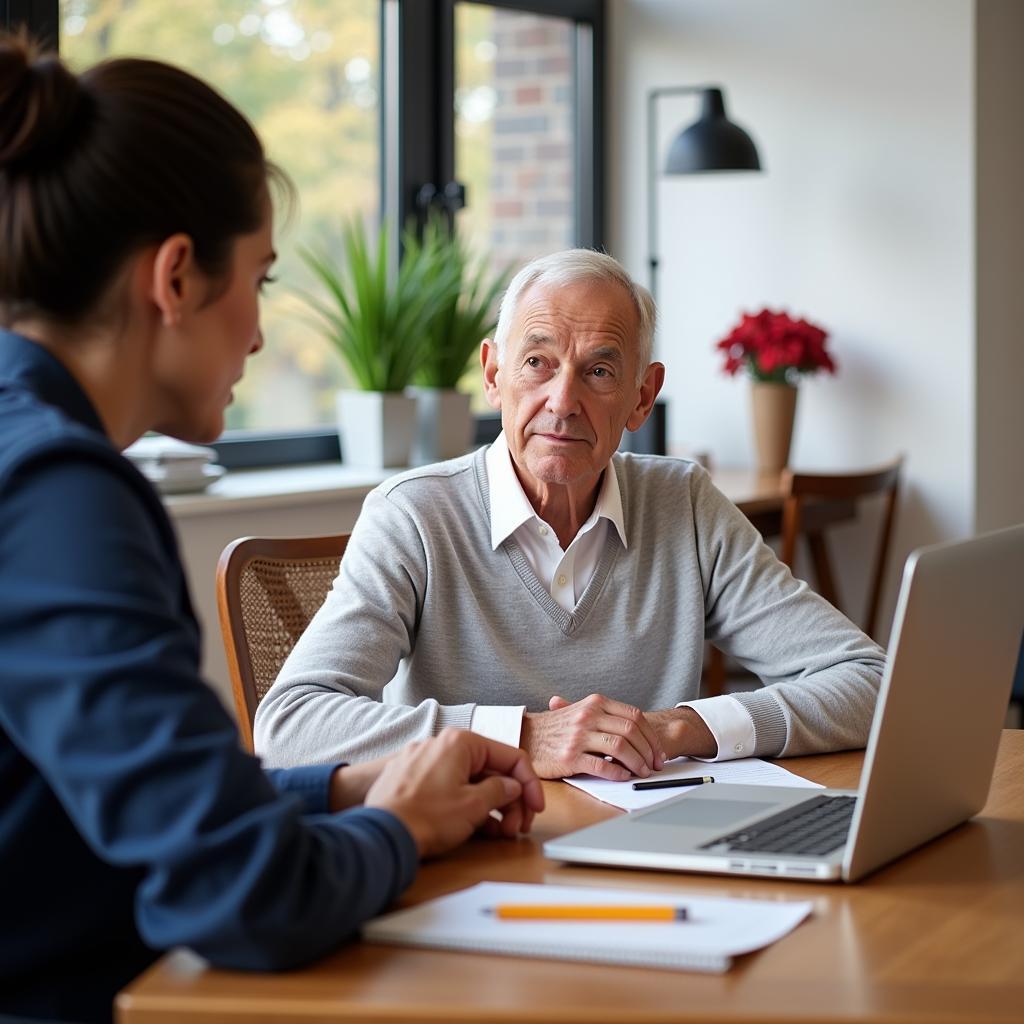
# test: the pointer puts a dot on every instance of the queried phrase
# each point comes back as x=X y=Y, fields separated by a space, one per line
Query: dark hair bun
x=41 y=103
x=96 y=166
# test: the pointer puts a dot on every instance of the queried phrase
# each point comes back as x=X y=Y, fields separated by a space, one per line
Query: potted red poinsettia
x=775 y=350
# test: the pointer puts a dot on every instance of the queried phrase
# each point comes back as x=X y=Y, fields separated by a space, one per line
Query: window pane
x=306 y=72
x=514 y=141
x=514 y=134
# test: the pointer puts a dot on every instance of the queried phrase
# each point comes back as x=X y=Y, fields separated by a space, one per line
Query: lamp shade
x=712 y=143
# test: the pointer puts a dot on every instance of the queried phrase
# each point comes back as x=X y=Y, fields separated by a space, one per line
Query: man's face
x=567 y=383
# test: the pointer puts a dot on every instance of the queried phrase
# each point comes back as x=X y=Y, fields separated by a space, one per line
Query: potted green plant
x=375 y=317
x=465 y=316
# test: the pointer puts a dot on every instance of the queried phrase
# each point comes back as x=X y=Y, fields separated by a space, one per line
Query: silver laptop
x=956 y=638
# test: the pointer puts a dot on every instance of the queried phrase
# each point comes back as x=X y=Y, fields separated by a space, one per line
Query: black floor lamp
x=711 y=143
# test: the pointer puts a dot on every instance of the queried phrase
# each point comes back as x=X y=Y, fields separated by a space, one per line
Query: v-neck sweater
x=425 y=621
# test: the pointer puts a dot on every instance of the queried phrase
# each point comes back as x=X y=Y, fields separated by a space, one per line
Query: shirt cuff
x=503 y=723
x=311 y=783
x=730 y=723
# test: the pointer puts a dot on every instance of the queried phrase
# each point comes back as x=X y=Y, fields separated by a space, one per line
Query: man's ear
x=653 y=380
x=489 y=362
x=173 y=278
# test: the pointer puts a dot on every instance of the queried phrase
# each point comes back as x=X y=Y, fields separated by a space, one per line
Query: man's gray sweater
x=425 y=621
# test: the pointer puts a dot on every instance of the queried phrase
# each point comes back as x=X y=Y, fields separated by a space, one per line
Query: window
x=372 y=106
x=514 y=133
x=514 y=105
x=307 y=75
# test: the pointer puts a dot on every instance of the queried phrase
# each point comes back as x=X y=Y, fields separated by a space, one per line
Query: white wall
x=863 y=111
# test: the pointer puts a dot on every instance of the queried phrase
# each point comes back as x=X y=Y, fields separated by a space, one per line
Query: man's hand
x=573 y=738
x=444 y=788
x=682 y=731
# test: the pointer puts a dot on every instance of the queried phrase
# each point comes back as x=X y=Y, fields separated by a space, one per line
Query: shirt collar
x=28 y=364
x=510 y=507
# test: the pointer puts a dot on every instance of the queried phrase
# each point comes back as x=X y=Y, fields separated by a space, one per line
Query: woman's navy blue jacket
x=130 y=819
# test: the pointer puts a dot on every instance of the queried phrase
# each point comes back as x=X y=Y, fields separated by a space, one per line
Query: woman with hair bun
x=135 y=236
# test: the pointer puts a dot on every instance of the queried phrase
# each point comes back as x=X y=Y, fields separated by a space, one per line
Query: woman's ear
x=173 y=278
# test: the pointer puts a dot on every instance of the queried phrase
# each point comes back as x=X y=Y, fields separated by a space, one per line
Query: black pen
x=674 y=783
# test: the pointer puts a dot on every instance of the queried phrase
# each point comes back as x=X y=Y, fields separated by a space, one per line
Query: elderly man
x=555 y=594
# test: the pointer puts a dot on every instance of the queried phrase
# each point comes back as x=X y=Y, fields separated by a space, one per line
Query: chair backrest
x=801 y=487
x=268 y=589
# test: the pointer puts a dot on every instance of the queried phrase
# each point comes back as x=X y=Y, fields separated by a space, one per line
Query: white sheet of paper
x=748 y=771
x=716 y=929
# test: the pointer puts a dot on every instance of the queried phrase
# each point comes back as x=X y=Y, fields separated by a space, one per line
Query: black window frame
x=40 y=17
x=419 y=109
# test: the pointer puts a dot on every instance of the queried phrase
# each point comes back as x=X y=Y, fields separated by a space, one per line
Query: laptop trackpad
x=703 y=813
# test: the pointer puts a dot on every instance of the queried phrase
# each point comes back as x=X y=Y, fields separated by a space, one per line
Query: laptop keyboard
x=811 y=829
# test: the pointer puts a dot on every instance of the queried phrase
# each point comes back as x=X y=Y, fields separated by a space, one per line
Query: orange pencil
x=582 y=912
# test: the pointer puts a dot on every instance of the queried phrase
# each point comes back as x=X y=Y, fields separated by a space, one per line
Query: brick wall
x=531 y=182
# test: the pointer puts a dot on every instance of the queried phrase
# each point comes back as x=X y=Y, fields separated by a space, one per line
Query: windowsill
x=269 y=488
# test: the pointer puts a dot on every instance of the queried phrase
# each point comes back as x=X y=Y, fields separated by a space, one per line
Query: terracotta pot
x=774 y=407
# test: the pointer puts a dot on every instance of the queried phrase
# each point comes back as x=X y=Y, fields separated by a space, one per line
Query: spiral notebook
x=714 y=931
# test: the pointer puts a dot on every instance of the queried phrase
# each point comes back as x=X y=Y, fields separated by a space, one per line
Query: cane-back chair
x=268 y=589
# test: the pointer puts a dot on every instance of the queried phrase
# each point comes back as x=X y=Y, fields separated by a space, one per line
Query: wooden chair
x=268 y=589
x=801 y=488
x=810 y=505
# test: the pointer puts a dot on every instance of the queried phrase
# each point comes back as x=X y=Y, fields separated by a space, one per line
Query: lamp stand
x=652 y=176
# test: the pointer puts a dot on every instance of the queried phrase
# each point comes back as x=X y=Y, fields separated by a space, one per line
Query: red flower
x=774 y=346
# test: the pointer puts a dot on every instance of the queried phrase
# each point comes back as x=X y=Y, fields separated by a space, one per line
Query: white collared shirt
x=565 y=575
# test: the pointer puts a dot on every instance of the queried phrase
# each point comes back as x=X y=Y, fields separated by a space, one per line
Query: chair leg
x=822 y=567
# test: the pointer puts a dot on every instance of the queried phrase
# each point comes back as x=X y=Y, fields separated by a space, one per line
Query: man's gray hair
x=574 y=266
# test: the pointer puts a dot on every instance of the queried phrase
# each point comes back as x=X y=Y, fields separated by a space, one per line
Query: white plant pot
x=444 y=425
x=376 y=428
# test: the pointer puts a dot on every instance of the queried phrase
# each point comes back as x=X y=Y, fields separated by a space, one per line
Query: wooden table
x=760 y=496
x=753 y=492
x=937 y=936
